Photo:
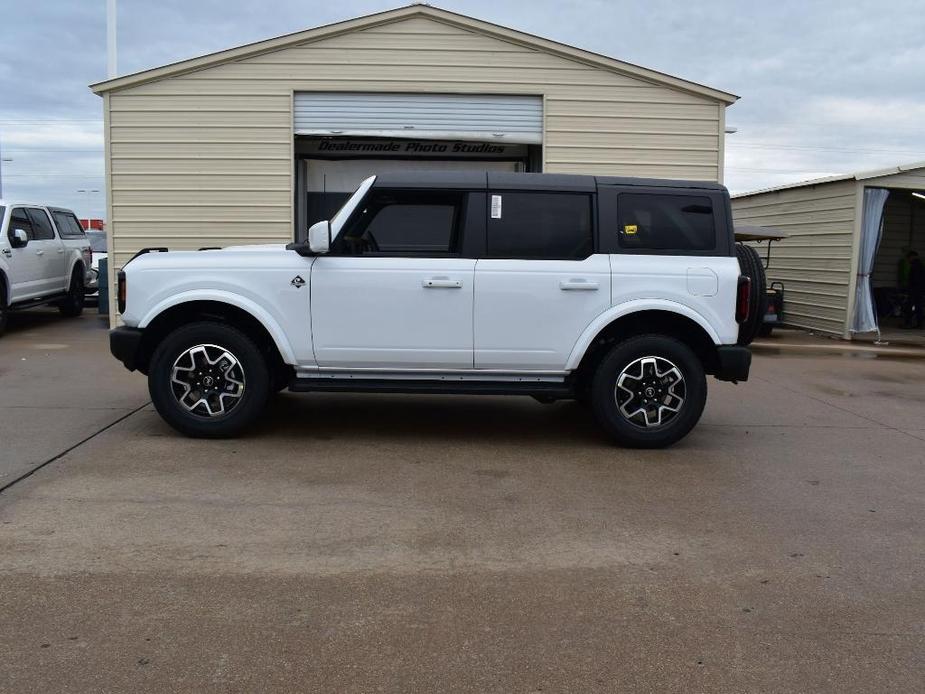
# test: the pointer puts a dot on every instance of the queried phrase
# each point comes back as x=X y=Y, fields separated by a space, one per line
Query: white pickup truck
x=45 y=258
x=620 y=293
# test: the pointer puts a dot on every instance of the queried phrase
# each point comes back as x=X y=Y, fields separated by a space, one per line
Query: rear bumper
x=733 y=362
x=125 y=345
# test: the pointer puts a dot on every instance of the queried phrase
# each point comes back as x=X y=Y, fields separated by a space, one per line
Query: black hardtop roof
x=479 y=180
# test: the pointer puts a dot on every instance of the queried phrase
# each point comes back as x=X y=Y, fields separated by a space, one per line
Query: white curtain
x=865 y=317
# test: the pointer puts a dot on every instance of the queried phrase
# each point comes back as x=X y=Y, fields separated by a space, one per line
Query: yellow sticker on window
x=630 y=229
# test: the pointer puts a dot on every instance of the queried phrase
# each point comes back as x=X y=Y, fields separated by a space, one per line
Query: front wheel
x=649 y=391
x=4 y=309
x=208 y=380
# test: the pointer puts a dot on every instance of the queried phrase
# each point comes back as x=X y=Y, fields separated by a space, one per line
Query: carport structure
x=846 y=237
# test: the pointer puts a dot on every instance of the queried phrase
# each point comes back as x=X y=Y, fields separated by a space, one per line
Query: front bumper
x=125 y=345
x=732 y=363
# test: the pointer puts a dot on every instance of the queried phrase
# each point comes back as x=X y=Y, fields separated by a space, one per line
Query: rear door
x=540 y=282
x=396 y=292
x=49 y=250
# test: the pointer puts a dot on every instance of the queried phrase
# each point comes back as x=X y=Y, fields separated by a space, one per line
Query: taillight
x=121 y=291
x=742 y=295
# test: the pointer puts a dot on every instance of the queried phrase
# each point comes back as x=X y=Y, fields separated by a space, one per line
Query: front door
x=540 y=284
x=27 y=275
x=394 y=292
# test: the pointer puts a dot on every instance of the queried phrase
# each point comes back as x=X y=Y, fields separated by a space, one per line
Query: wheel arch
x=77 y=262
x=5 y=289
x=666 y=318
x=265 y=333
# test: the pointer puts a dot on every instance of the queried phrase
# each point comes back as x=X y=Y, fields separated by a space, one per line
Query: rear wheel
x=750 y=265
x=649 y=391
x=73 y=305
x=208 y=380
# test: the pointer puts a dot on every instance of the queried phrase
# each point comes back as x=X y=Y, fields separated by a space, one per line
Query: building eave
x=389 y=16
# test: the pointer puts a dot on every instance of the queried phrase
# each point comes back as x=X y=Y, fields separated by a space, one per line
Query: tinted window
x=403 y=223
x=540 y=225
x=68 y=226
x=97 y=241
x=666 y=222
x=41 y=225
x=19 y=220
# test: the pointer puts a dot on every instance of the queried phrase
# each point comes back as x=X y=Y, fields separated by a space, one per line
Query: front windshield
x=97 y=241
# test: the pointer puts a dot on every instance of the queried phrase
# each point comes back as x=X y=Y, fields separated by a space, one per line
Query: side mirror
x=19 y=238
x=319 y=237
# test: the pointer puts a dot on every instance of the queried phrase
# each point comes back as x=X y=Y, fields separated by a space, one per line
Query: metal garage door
x=516 y=119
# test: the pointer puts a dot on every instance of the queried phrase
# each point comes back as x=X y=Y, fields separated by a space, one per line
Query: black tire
x=692 y=389
x=233 y=415
x=4 y=310
x=750 y=265
x=73 y=305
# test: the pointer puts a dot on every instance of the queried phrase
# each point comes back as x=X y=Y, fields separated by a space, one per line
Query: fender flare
x=625 y=309
x=70 y=270
x=271 y=325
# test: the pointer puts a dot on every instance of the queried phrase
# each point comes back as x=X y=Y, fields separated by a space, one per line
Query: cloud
x=827 y=86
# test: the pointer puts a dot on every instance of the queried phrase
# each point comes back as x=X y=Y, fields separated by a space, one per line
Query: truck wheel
x=750 y=265
x=208 y=380
x=4 y=310
x=649 y=391
x=73 y=305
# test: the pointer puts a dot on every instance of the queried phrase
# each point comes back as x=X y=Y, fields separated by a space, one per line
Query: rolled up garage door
x=485 y=118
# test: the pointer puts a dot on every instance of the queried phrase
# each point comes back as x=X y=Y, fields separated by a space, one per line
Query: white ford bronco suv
x=619 y=293
x=45 y=258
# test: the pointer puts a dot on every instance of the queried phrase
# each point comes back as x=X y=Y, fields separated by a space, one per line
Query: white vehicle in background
x=45 y=258
x=100 y=251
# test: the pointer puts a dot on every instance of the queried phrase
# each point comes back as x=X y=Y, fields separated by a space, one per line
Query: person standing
x=915 y=299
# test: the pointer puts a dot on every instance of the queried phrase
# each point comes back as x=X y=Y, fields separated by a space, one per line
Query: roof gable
x=401 y=14
x=857 y=176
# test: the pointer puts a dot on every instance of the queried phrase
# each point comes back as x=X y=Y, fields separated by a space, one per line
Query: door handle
x=60 y=251
x=40 y=252
x=441 y=283
x=578 y=285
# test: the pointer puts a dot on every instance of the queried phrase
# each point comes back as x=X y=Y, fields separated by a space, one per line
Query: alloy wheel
x=650 y=391
x=207 y=380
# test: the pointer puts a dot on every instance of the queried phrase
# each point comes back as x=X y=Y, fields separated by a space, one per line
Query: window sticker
x=630 y=229
x=496 y=207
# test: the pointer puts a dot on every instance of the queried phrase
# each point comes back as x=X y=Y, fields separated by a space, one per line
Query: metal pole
x=110 y=39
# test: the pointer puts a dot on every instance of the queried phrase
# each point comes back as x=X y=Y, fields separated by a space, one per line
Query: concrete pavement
x=398 y=543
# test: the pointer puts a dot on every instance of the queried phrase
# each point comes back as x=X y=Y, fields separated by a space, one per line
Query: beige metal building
x=822 y=262
x=251 y=144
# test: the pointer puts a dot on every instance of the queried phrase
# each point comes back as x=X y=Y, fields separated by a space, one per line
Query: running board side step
x=435 y=387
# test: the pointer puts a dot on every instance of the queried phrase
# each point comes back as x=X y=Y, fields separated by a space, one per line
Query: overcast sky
x=827 y=86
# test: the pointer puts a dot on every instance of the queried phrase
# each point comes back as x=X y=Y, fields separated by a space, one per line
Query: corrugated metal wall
x=205 y=158
x=814 y=263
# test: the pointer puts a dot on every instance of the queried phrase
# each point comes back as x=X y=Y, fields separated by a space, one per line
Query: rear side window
x=20 y=220
x=68 y=226
x=666 y=222
x=41 y=225
x=540 y=226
